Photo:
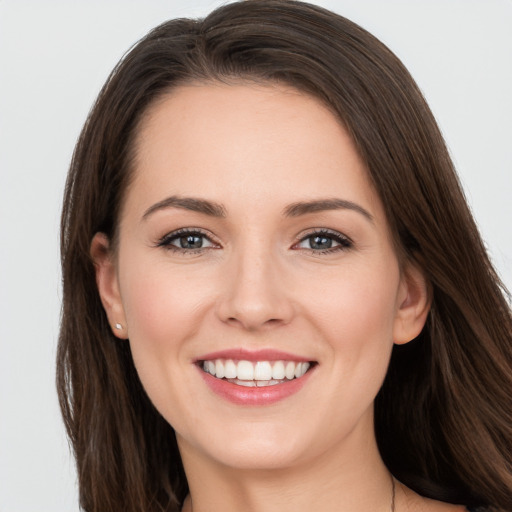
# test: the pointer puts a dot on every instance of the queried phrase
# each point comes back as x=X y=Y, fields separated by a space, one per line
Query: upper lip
x=241 y=354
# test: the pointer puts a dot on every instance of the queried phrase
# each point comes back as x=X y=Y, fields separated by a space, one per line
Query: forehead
x=247 y=140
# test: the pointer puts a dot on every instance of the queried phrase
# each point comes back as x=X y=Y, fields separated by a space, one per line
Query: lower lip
x=254 y=396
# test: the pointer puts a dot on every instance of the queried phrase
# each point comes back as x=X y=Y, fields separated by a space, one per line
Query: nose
x=254 y=295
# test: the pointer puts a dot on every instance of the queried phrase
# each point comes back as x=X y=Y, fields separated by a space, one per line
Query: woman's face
x=253 y=247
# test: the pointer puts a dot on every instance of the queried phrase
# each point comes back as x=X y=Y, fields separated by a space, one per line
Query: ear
x=108 y=284
x=414 y=300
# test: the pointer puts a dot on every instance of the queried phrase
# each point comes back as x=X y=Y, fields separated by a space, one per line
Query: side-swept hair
x=443 y=417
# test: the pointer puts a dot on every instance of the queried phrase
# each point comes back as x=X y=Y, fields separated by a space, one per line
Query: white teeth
x=278 y=370
x=230 y=369
x=255 y=383
x=259 y=373
x=262 y=370
x=246 y=383
x=301 y=369
x=245 y=370
x=290 y=370
x=219 y=369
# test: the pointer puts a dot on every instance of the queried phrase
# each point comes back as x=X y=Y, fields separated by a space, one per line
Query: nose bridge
x=254 y=294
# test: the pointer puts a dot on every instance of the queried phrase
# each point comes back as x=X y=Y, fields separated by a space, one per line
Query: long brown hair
x=443 y=417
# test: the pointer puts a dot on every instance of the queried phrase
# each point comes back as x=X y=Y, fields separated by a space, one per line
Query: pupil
x=321 y=242
x=191 y=242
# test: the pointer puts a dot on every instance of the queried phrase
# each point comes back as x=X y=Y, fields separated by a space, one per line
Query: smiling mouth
x=255 y=373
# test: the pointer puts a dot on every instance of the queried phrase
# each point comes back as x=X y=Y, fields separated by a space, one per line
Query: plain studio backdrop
x=55 y=56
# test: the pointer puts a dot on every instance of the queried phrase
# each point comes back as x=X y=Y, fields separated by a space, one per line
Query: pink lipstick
x=259 y=377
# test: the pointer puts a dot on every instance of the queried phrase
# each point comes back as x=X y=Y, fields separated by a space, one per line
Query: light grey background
x=54 y=57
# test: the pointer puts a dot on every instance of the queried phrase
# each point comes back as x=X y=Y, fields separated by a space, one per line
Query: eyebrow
x=320 y=205
x=214 y=209
x=187 y=203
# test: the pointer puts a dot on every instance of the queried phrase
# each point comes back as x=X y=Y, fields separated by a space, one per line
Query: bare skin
x=323 y=283
x=406 y=500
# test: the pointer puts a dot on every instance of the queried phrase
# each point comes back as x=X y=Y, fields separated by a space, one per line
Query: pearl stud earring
x=119 y=326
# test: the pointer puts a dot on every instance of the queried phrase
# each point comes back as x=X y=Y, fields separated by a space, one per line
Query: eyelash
x=343 y=241
x=166 y=241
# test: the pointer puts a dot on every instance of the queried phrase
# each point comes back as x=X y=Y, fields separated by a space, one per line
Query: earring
x=119 y=326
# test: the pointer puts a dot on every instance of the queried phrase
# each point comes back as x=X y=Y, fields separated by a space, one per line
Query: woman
x=275 y=296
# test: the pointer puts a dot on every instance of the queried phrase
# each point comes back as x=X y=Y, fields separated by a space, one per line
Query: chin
x=261 y=444
x=255 y=454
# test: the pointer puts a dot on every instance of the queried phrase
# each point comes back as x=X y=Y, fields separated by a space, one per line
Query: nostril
x=252 y=299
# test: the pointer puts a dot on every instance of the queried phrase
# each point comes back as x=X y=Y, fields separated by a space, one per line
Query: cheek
x=356 y=315
x=357 y=304
x=161 y=301
x=163 y=311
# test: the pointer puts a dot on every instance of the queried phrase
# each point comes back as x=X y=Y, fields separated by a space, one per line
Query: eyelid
x=343 y=240
x=165 y=241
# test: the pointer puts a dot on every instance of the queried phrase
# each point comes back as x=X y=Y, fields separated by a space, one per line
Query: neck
x=351 y=479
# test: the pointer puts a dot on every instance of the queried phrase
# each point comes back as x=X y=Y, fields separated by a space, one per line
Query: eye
x=324 y=241
x=186 y=240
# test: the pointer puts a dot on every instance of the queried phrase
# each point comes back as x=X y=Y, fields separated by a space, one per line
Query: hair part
x=443 y=416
